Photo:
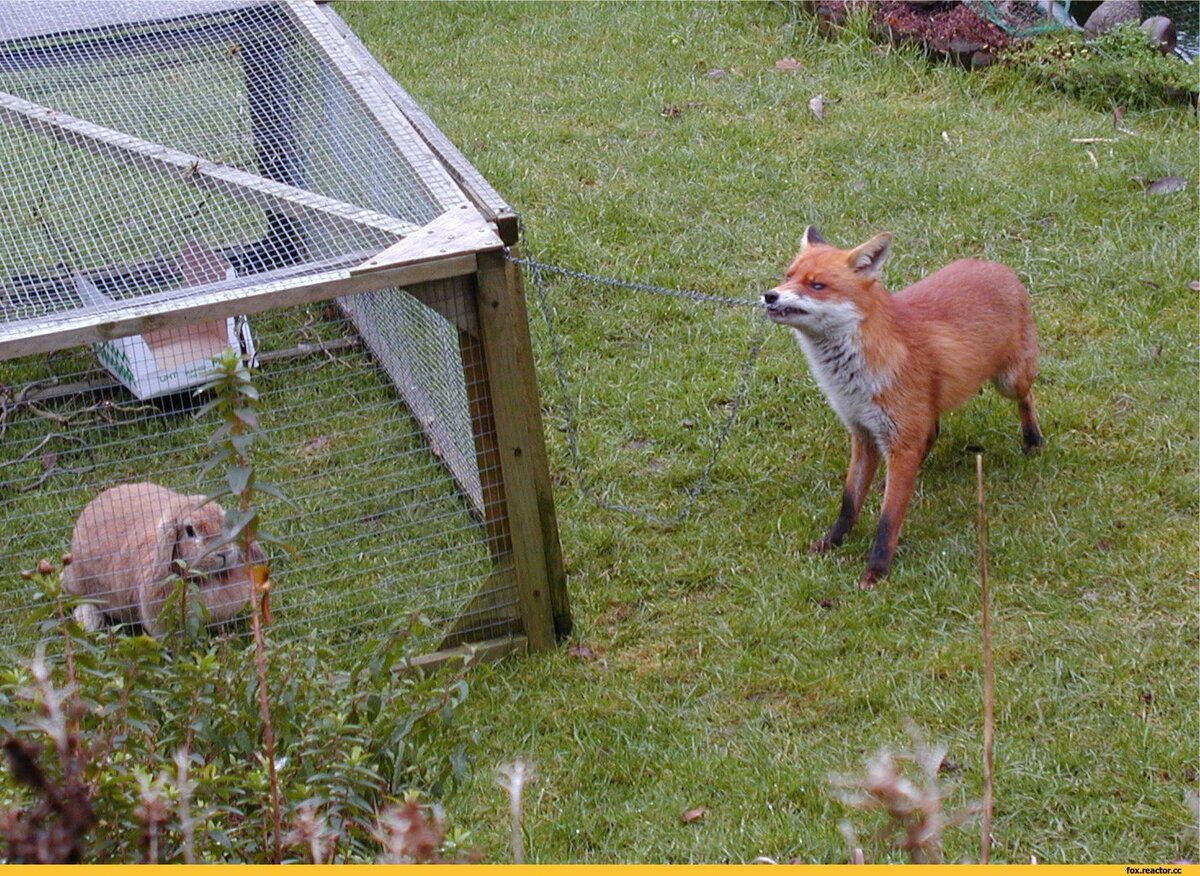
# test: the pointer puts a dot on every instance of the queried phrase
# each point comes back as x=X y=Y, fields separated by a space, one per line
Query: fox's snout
x=770 y=297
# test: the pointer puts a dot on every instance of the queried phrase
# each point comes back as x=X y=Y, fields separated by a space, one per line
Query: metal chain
x=537 y=270
x=535 y=265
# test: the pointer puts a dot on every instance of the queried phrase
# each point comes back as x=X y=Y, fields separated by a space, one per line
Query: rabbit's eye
x=189 y=531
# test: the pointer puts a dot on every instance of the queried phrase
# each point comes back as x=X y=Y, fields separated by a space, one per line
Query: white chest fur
x=840 y=369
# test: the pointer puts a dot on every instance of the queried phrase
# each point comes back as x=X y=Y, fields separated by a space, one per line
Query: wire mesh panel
x=134 y=126
x=381 y=525
x=420 y=351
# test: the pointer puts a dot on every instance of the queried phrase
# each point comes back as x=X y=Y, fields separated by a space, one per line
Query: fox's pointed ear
x=811 y=236
x=868 y=259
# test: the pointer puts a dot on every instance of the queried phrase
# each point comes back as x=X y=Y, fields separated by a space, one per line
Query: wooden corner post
x=516 y=404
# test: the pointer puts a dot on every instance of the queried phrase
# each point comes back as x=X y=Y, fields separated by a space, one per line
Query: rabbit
x=133 y=541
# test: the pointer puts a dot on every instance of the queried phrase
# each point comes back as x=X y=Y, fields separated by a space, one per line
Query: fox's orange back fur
x=945 y=335
x=890 y=365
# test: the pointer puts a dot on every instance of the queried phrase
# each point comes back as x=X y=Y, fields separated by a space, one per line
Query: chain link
x=537 y=271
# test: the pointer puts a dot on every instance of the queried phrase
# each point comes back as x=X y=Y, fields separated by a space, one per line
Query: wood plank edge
x=139 y=317
x=488 y=651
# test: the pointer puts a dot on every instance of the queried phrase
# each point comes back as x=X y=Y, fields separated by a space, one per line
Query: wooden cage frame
x=468 y=245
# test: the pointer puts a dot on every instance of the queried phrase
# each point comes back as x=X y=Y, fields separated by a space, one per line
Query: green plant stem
x=245 y=540
x=264 y=705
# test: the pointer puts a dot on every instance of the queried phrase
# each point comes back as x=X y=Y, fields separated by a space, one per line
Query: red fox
x=891 y=365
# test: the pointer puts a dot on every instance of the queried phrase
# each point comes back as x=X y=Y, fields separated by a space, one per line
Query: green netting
x=1022 y=19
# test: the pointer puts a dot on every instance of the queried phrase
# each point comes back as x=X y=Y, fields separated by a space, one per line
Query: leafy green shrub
x=1119 y=67
x=348 y=739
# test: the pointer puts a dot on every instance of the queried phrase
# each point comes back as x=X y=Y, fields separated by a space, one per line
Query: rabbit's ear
x=166 y=538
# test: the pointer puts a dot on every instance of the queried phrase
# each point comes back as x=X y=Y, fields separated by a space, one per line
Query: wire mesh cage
x=184 y=176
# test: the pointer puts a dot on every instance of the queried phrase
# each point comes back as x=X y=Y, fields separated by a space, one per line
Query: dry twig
x=311 y=832
x=913 y=810
x=408 y=835
x=52 y=830
x=187 y=827
x=513 y=777
x=989 y=681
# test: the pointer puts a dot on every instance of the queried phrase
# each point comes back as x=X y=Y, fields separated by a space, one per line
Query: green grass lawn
x=723 y=667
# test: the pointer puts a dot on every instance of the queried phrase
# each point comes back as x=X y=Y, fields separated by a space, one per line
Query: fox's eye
x=189 y=531
x=815 y=286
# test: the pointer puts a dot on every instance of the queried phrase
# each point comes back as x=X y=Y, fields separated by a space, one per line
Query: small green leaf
x=267 y=538
x=272 y=490
x=221 y=457
x=219 y=494
x=239 y=520
x=220 y=435
x=239 y=477
x=208 y=405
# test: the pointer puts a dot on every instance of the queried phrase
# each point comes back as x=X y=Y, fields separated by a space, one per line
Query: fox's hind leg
x=1031 y=430
x=1017 y=384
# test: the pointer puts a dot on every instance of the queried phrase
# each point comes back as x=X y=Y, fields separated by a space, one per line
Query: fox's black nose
x=770 y=297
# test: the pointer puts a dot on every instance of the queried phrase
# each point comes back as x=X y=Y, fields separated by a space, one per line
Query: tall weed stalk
x=235 y=399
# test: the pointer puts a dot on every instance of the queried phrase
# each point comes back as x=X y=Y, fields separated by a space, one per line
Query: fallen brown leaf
x=1194 y=285
x=694 y=815
x=817 y=105
x=314 y=445
x=788 y=65
x=670 y=111
x=1119 y=121
x=582 y=651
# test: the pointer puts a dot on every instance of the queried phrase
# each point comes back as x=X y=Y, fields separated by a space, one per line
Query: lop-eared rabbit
x=134 y=541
